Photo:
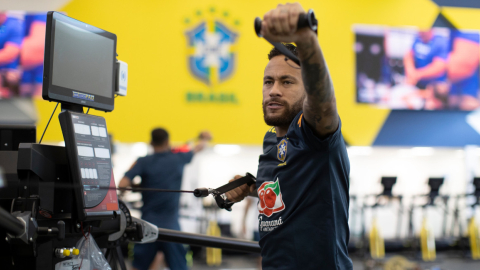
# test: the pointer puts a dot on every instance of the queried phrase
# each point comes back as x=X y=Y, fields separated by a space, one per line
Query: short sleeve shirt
x=164 y=171
x=302 y=184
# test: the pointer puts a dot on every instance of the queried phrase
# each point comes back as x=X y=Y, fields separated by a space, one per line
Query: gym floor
x=250 y=263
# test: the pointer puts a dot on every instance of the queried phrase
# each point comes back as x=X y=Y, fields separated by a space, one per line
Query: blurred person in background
x=11 y=33
x=302 y=178
x=31 y=55
x=463 y=71
x=426 y=66
x=163 y=170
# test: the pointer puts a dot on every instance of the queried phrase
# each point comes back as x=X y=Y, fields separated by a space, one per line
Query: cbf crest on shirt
x=282 y=150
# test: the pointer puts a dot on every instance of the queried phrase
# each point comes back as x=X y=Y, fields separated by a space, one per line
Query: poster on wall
x=22 y=42
x=406 y=68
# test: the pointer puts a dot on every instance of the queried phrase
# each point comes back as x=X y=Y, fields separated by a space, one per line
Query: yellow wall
x=151 y=39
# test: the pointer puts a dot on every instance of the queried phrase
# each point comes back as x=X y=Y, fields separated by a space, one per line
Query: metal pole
x=166 y=235
x=10 y=223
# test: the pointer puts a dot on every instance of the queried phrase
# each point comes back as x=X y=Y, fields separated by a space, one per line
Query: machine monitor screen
x=88 y=150
x=79 y=63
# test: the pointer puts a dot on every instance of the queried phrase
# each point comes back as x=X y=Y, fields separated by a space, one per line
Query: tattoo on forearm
x=318 y=86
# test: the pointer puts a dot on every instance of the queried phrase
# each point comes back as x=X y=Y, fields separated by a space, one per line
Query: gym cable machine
x=55 y=195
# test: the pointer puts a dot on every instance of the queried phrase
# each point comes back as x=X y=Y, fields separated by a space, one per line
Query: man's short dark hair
x=274 y=52
x=159 y=136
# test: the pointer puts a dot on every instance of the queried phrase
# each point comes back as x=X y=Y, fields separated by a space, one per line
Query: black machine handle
x=304 y=20
x=248 y=179
x=58 y=231
x=61 y=230
x=201 y=192
x=219 y=193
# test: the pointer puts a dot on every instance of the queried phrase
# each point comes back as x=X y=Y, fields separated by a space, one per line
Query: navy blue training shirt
x=302 y=184
x=161 y=170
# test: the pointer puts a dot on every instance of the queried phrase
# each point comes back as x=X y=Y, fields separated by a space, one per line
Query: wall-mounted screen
x=22 y=42
x=406 y=68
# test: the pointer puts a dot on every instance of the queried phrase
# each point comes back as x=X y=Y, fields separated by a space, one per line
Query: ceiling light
x=359 y=150
x=423 y=151
x=227 y=149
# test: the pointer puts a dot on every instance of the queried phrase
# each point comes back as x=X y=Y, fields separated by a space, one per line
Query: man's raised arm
x=320 y=110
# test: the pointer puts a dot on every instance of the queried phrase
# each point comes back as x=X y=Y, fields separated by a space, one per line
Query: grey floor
x=250 y=263
x=439 y=264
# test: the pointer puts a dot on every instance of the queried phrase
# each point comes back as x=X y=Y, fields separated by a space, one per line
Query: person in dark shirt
x=302 y=179
x=163 y=169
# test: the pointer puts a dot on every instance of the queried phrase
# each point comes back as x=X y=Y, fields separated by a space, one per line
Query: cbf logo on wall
x=211 y=54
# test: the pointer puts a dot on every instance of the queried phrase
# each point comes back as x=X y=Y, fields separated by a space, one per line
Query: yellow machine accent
x=377 y=245
x=399 y=263
x=75 y=252
x=474 y=236
x=427 y=242
x=214 y=255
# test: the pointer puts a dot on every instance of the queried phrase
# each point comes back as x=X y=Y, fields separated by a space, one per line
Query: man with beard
x=302 y=178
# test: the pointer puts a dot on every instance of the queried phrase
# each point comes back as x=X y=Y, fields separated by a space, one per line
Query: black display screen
x=93 y=154
x=79 y=63
x=82 y=60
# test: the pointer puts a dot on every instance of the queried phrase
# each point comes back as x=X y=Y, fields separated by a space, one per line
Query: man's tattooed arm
x=319 y=109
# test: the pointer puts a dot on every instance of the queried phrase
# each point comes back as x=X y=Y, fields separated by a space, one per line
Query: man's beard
x=286 y=117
